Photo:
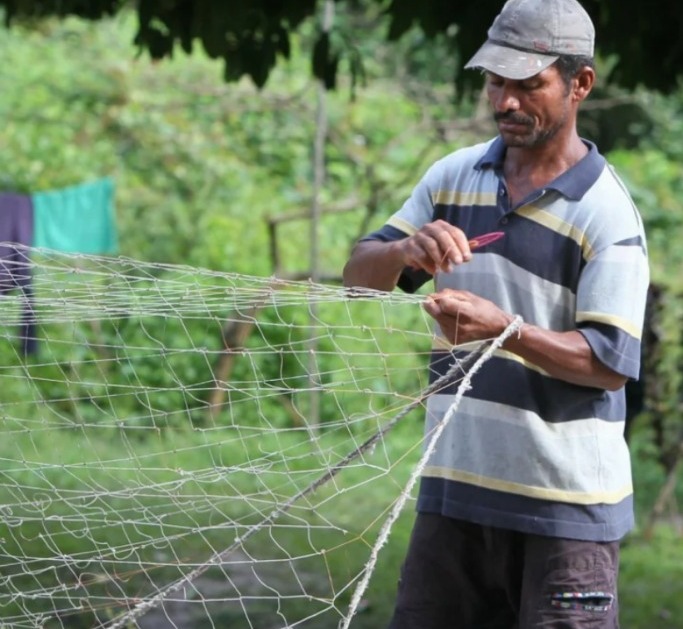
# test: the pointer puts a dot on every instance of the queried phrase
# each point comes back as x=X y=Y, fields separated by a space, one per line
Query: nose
x=505 y=99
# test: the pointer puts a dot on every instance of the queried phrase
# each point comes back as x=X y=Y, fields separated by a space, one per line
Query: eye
x=531 y=84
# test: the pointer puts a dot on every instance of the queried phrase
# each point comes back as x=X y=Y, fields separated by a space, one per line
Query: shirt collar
x=572 y=184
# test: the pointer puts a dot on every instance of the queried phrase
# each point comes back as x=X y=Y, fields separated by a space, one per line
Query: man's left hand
x=465 y=317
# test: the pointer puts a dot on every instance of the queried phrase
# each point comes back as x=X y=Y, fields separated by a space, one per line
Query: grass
x=650 y=580
x=134 y=514
x=651 y=561
x=187 y=503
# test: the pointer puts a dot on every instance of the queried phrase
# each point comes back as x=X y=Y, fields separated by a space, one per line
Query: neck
x=529 y=169
x=546 y=162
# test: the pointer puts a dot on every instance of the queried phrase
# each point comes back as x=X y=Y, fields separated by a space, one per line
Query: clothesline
x=75 y=219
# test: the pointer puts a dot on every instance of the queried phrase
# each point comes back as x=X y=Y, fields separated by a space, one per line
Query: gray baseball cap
x=528 y=36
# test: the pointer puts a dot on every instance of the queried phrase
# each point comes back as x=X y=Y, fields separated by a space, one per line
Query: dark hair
x=569 y=66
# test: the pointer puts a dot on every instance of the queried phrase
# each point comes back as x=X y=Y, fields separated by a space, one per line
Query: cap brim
x=510 y=62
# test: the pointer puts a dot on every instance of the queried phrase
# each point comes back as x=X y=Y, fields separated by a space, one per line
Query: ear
x=583 y=83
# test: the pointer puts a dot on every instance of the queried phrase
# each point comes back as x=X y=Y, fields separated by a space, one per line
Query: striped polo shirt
x=527 y=451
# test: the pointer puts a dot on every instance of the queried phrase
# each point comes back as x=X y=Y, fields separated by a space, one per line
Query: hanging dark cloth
x=16 y=233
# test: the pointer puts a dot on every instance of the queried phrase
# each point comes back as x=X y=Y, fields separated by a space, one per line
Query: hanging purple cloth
x=16 y=232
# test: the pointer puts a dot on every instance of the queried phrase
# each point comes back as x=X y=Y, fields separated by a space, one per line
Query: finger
x=432 y=307
x=415 y=256
x=437 y=247
x=453 y=245
x=450 y=304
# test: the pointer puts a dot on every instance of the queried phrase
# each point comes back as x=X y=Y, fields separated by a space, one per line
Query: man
x=522 y=506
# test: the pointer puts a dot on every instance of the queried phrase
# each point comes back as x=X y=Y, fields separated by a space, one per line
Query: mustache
x=515 y=118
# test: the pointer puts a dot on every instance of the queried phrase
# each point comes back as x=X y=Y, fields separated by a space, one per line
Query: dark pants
x=459 y=575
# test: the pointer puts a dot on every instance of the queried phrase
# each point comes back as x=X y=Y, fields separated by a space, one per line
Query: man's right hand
x=435 y=247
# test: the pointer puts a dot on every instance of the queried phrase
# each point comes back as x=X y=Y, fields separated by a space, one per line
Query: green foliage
x=200 y=169
x=651 y=571
x=652 y=173
x=184 y=151
x=251 y=36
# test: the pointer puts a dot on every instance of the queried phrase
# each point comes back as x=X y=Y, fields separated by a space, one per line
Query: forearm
x=465 y=317
x=564 y=355
x=434 y=247
x=374 y=264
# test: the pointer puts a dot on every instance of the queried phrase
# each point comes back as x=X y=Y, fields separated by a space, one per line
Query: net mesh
x=187 y=448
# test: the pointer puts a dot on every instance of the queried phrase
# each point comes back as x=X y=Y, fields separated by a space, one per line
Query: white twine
x=219 y=557
x=383 y=536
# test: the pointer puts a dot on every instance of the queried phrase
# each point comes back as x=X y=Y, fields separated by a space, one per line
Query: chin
x=522 y=141
x=515 y=141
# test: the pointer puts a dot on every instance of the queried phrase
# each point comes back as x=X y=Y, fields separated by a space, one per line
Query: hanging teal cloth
x=77 y=219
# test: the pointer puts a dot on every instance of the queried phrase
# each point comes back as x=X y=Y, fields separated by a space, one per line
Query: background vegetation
x=203 y=169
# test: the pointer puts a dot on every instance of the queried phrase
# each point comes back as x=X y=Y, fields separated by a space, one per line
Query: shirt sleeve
x=611 y=300
x=418 y=210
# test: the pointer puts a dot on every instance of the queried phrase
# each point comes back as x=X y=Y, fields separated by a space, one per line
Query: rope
x=477 y=357
x=383 y=536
